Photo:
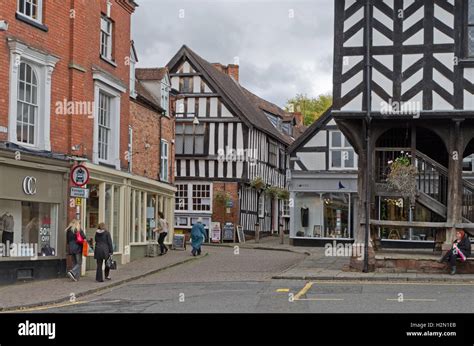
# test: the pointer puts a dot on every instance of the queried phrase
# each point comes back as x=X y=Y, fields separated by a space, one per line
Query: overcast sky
x=279 y=56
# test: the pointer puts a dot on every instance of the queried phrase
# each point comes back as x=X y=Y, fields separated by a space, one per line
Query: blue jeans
x=77 y=264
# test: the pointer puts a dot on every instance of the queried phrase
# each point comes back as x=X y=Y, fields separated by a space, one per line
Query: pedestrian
x=461 y=249
x=75 y=238
x=162 y=230
x=198 y=235
x=103 y=250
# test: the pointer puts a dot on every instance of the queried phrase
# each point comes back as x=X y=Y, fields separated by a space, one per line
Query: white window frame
x=261 y=205
x=39 y=8
x=112 y=89
x=109 y=41
x=164 y=160
x=133 y=62
x=44 y=65
x=342 y=148
x=165 y=95
x=285 y=208
x=189 y=196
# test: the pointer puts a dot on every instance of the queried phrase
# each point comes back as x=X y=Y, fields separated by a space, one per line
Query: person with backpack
x=162 y=230
x=103 y=250
x=75 y=238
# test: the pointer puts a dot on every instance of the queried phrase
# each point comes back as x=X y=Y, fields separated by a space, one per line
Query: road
x=225 y=282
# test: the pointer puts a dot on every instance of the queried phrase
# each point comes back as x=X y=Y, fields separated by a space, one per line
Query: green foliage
x=402 y=177
x=311 y=108
x=258 y=184
x=222 y=198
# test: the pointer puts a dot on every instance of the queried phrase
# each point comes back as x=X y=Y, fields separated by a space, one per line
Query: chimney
x=233 y=71
x=299 y=118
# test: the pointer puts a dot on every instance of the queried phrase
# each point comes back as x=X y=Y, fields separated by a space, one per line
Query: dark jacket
x=103 y=245
x=465 y=246
x=74 y=248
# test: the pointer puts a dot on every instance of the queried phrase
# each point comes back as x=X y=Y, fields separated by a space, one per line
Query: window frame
x=164 y=157
x=261 y=206
x=110 y=41
x=28 y=104
x=273 y=154
x=187 y=195
x=342 y=149
x=183 y=135
x=467 y=26
x=39 y=8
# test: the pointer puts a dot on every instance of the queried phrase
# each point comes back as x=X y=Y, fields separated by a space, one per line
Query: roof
x=154 y=73
x=146 y=97
x=235 y=96
x=311 y=131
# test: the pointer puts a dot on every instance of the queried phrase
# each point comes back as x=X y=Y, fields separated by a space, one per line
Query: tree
x=311 y=108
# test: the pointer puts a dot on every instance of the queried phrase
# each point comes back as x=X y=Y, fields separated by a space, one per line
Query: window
x=33 y=9
x=164 y=160
x=282 y=159
x=193 y=197
x=470 y=30
x=30 y=96
x=201 y=197
x=285 y=208
x=27 y=107
x=261 y=205
x=106 y=38
x=130 y=149
x=165 y=97
x=190 y=139
x=272 y=153
x=104 y=126
x=181 y=200
x=341 y=153
x=133 y=62
x=287 y=128
x=186 y=84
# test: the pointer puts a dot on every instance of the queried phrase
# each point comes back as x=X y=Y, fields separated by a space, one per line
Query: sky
x=282 y=47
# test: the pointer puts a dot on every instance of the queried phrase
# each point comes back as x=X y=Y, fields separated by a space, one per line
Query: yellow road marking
x=304 y=290
x=389 y=283
x=46 y=307
x=283 y=290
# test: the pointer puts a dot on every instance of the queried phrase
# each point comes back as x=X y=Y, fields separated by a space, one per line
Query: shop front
x=322 y=208
x=33 y=200
x=129 y=206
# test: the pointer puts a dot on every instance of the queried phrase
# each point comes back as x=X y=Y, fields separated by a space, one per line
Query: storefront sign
x=215 y=232
x=79 y=192
x=80 y=175
x=228 y=231
x=29 y=185
x=179 y=242
x=240 y=234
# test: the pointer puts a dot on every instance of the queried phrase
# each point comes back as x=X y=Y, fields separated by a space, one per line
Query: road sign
x=79 y=192
x=78 y=201
x=80 y=175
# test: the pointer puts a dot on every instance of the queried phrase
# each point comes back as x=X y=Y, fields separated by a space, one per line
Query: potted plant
x=402 y=177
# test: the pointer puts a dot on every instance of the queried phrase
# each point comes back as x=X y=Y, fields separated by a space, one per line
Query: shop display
x=304 y=216
x=7 y=225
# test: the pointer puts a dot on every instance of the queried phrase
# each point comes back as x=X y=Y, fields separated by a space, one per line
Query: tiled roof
x=156 y=73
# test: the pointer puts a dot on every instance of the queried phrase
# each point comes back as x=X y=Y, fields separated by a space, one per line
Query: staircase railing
x=468 y=200
x=432 y=178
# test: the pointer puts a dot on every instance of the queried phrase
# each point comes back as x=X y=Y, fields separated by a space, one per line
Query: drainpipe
x=368 y=75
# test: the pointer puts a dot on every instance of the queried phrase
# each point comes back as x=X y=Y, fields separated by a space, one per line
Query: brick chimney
x=231 y=70
x=299 y=118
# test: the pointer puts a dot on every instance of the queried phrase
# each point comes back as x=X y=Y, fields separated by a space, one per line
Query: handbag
x=110 y=263
x=79 y=239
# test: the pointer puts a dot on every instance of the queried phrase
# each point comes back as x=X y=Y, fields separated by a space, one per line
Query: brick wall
x=219 y=211
x=146 y=130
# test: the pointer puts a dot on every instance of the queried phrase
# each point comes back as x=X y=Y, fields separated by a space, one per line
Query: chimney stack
x=231 y=70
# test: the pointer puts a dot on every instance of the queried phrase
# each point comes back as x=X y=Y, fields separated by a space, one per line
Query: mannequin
x=304 y=216
x=7 y=225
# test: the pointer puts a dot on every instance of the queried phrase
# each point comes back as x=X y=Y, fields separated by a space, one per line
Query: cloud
x=284 y=47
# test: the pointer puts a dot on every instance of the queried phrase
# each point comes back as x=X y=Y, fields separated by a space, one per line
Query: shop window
x=341 y=153
x=336 y=215
x=29 y=228
x=164 y=162
x=190 y=139
x=470 y=30
x=92 y=214
x=106 y=38
x=116 y=218
x=33 y=9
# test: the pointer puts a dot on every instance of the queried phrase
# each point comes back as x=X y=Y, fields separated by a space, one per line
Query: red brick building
x=65 y=81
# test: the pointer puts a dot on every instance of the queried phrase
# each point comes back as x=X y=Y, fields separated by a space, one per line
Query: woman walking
x=461 y=249
x=198 y=235
x=75 y=238
x=103 y=250
x=162 y=233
